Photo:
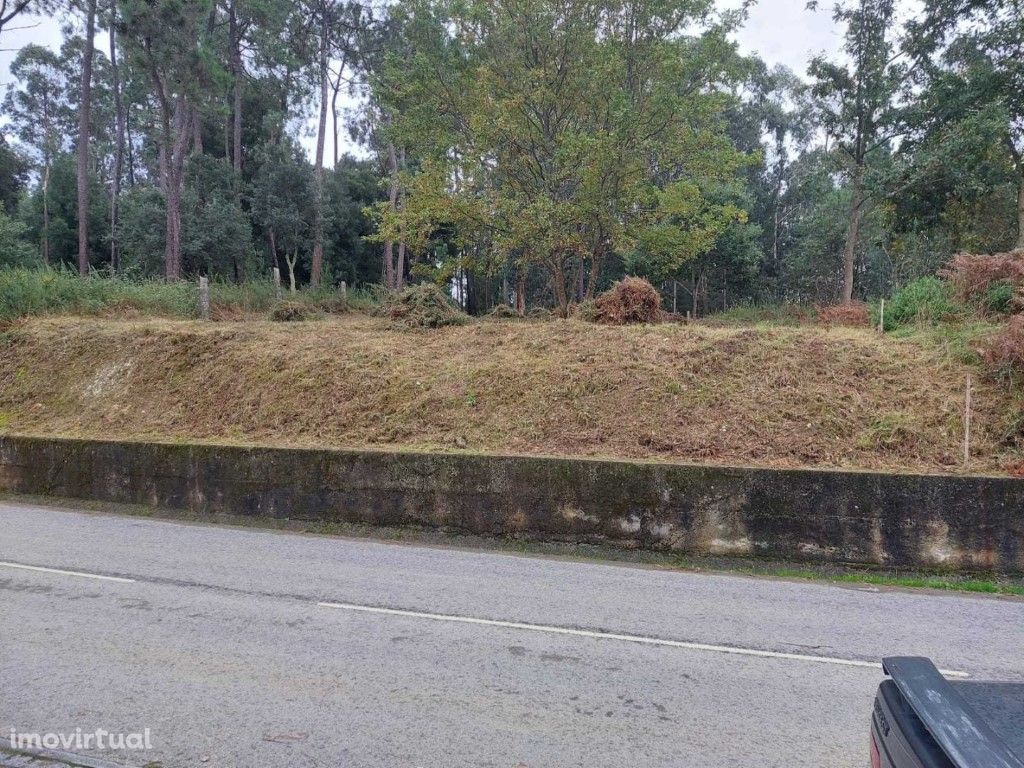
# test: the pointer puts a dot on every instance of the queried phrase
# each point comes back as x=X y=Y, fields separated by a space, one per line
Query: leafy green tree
x=283 y=202
x=216 y=231
x=169 y=40
x=855 y=104
x=142 y=244
x=15 y=249
x=55 y=210
x=561 y=131
x=37 y=108
x=14 y=170
x=973 y=82
x=352 y=186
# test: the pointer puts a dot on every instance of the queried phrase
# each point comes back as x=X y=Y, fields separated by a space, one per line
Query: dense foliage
x=518 y=152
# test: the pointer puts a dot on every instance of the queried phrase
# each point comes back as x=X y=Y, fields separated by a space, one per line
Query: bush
x=631 y=300
x=1003 y=352
x=999 y=298
x=50 y=291
x=44 y=291
x=854 y=314
x=925 y=301
x=503 y=312
x=423 y=306
x=972 y=275
x=289 y=312
x=585 y=310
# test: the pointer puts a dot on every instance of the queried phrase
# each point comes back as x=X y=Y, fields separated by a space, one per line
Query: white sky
x=781 y=31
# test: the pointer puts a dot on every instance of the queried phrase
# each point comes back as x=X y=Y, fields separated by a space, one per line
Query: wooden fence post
x=967 y=423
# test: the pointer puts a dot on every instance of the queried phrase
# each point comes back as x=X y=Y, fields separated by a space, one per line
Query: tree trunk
x=390 y=280
x=172 y=162
x=46 y=212
x=317 y=266
x=83 y=138
x=558 y=284
x=273 y=248
x=521 y=291
x=119 y=127
x=128 y=148
x=695 y=294
x=172 y=253
x=400 y=267
x=236 y=74
x=291 y=261
x=852 y=232
x=336 y=86
x=1020 y=214
x=596 y=262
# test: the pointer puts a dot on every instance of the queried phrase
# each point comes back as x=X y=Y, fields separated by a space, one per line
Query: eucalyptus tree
x=84 y=106
x=856 y=105
x=40 y=117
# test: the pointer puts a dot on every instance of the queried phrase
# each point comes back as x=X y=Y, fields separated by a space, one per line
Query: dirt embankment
x=764 y=396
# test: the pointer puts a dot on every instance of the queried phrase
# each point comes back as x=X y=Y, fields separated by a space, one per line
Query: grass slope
x=761 y=396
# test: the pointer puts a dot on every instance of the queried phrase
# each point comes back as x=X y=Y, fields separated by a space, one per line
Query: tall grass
x=48 y=291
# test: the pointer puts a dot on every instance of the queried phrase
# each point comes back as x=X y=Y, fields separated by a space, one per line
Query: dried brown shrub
x=1003 y=352
x=853 y=314
x=631 y=300
x=423 y=306
x=972 y=274
x=289 y=312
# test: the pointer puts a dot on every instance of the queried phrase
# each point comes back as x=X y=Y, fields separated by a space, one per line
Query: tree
x=976 y=68
x=168 y=40
x=557 y=131
x=40 y=117
x=283 y=197
x=120 y=130
x=85 y=100
x=15 y=250
x=855 y=105
x=10 y=9
x=14 y=170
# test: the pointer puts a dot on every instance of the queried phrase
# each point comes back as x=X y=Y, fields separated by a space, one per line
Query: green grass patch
x=763 y=314
x=989 y=586
x=25 y=292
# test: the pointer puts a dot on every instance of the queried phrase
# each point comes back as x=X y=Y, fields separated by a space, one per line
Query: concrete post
x=277 y=283
x=204 y=298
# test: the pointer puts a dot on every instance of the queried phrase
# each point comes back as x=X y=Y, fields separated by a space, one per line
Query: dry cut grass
x=807 y=396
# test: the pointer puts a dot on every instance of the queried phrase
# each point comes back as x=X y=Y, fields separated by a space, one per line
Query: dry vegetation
x=853 y=314
x=767 y=396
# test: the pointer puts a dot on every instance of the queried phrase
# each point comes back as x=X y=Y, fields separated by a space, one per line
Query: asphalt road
x=256 y=648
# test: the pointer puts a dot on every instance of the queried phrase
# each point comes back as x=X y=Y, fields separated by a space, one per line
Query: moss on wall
x=922 y=521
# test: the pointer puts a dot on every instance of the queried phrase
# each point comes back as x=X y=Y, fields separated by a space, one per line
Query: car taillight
x=876 y=759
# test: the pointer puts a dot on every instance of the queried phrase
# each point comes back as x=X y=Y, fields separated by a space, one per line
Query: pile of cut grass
x=803 y=396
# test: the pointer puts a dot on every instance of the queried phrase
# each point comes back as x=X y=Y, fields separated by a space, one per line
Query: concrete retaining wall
x=860 y=517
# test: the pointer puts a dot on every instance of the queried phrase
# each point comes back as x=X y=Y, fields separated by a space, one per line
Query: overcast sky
x=781 y=31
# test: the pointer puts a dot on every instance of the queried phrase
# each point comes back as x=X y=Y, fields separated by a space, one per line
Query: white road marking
x=554 y=630
x=66 y=573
